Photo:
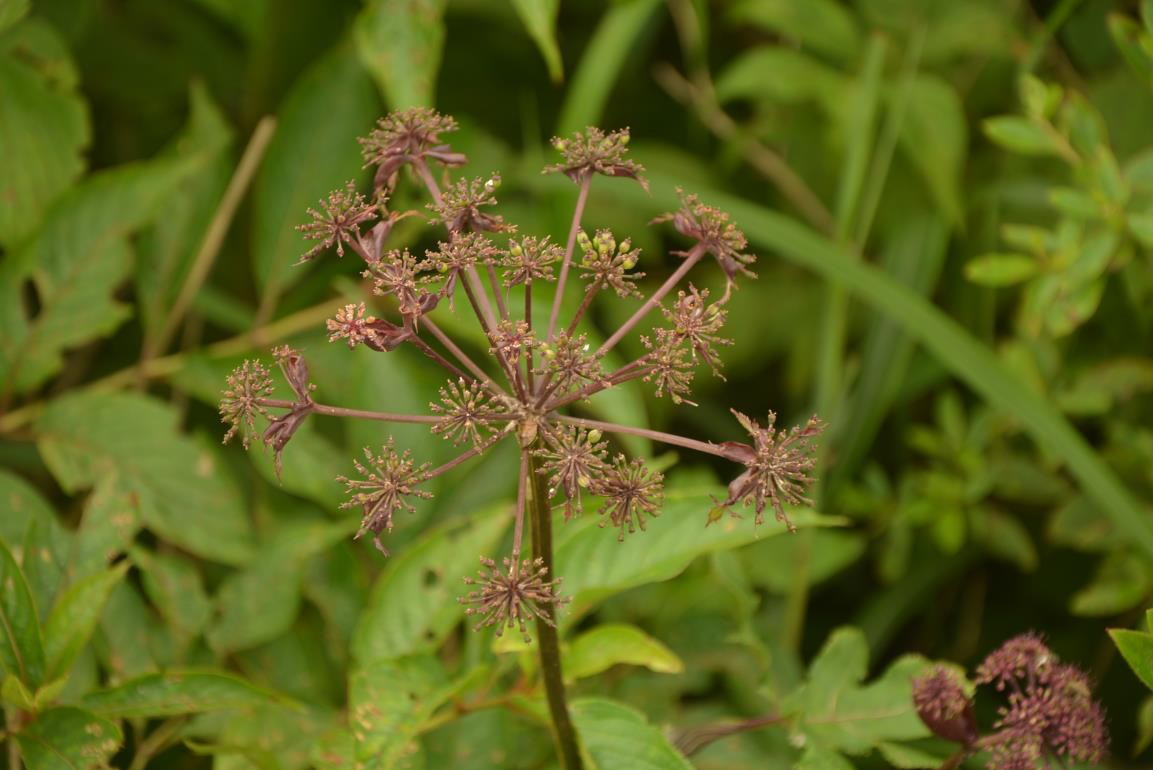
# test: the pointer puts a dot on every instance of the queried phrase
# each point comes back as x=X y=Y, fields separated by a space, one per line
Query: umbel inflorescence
x=1048 y=716
x=535 y=371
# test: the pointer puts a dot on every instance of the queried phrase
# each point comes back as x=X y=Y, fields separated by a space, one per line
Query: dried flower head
x=460 y=252
x=776 y=466
x=240 y=402
x=406 y=136
x=338 y=222
x=944 y=707
x=569 y=360
x=395 y=274
x=631 y=491
x=390 y=480
x=513 y=595
x=698 y=323
x=607 y=263
x=1023 y=660
x=574 y=459
x=461 y=205
x=669 y=366
x=530 y=259
x=512 y=339
x=352 y=324
x=711 y=228
x=595 y=152
x=464 y=407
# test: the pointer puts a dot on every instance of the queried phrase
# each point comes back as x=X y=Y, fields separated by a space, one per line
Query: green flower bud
x=594 y=436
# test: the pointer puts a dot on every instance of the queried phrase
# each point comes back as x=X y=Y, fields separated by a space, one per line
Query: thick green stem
x=548 y=642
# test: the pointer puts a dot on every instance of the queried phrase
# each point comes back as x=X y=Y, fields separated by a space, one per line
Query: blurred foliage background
x=953 y=207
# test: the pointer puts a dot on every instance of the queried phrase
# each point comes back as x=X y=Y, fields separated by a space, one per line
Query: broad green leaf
x=256 y=605
x=1008 y=539
x=617 y=737
x=539 y=18
x=400 y=43
x=1137 y=649
x=1122 y=582
x=12 y=11
x=133 y=639
x=74 y=618
x=414 y=604
x=835 y=710
x=774 y=563
x=68 y=738
x=181 y=494
x=177 y=692
x=781 y=74
x=606 y=646
x=1144 y=721
x=174 y=586
x=313 y=153
x=826 y=26
x=43 y=123
x=595 y=565
x=21 y=643
x=1141 y=225
x=934 y=136
x=21 y=503
x=110 y=521
x=1001 y=269
x=309 y=467
x=1022 y=135
x=1127 y=37
x=909 y=758
x=14 y=693
x=43 y=555
x=79 y=257
x=273 y=736
x=389 y=702
x=819 y=758
x=166 y=249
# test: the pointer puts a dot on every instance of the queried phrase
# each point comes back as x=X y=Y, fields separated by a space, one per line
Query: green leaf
x=43 y=123
x=20 y=504
x=774 y=563
x=390 y=701
x=133 y=639
x=413 y=605
x=603 y=62
x=12 y=11
x=826 y=26
x=595 y=565
x=934 y=136
x=306 y=159
x=781 y=75
x=836 y=711
x=1001 y=269
x=21 y=646
x=67 y=738
x=609 y=645
x=1141 y=226
x=818 y=758
x=174 y=586
x=1121 y=583
x=539 y=18
x=617 y=737
x=110 y=521
x=256 y=605
x=1144 y=726
x=80 y=256
x=400 y=43
x=74 y=618
x=177 y=692
x=1137 y=649
x=181 y=494
x=1022 y=135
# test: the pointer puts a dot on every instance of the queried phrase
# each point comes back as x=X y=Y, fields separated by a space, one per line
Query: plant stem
x=361 y=414
x=548 y=642
x=655 y=435
x=694 y=256
x=11 y=721
x=558 y=298
x=155 y=742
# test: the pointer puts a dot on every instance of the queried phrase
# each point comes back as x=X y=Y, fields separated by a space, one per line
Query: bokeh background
x=952 y=204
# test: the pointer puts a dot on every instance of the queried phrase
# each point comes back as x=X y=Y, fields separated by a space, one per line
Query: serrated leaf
x=176 y=692
x=182 y=496
x=389 y=702
x=77 y=260
x=414 y=602
x=313 y=152
x=617 y=737
x=934 y=136
x=74 y=618
x=836 y=711
x=1137 y=649
x=539 y=18
x=595 y=565
x=400 y=43
x=67 y=738
x=1001 y=269
x=21 y=643
x=1022 y=135
x=612 y=644
x=43 y=123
